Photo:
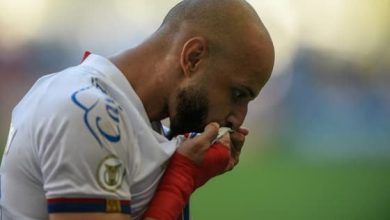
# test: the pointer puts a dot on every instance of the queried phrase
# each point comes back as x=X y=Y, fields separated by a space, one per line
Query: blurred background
x=320 y=131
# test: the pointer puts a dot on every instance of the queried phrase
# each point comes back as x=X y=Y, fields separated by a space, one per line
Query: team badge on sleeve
x=110 y=173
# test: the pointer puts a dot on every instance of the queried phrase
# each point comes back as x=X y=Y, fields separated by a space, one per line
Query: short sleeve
x=82 y=145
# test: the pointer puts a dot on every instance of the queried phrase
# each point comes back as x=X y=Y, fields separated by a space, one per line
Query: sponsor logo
x=103 y=125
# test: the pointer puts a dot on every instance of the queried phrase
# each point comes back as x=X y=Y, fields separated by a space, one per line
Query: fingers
x=243 y=130
x=209 y=134
x=195 y=148
x=203 y=141
x=235 y=139
x=225 y=140
x=237 y=142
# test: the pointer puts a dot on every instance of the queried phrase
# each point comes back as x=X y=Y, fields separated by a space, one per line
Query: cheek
x=219 y=109
x=219 y=96
x=171 y=107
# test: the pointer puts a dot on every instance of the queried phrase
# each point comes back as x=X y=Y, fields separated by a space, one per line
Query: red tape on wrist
x=214 y=163
x=181 y=178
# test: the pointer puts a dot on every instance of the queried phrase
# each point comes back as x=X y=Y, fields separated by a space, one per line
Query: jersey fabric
x=80 y=141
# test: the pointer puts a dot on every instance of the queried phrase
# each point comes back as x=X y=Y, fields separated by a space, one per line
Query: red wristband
x=181 y=178
x=214 y=163
x=174 y=190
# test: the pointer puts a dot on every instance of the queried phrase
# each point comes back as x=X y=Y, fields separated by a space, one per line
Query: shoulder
x=73 y=101
x=71 y=93
x=101 y=114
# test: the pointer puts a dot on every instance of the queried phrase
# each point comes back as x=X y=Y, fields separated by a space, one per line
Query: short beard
x=191 y=112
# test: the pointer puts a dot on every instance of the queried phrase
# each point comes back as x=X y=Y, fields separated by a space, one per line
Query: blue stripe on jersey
x=88 y=205
x=193 y=134
x=186 y=212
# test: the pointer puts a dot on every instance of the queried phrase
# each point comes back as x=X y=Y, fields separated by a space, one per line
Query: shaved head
x=227 y=25
x=221 y=21
x=214 y=14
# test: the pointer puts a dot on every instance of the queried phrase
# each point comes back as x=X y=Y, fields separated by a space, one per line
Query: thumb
x=195 y=148
x=210 y=133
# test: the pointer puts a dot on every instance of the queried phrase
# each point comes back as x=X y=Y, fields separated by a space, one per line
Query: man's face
x=223 y=98
x=222 y=88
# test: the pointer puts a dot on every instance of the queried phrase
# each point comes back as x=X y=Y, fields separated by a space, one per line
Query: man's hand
x=195 y=162
x=192 y=165
x=235 y=142
x=195 y=148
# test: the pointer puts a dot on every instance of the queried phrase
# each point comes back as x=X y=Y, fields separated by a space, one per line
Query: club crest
x=110 y=173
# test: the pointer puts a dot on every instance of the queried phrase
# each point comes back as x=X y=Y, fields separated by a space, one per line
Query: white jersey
x=81 y=141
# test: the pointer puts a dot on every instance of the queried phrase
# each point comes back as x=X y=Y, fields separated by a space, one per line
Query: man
x=86 y=142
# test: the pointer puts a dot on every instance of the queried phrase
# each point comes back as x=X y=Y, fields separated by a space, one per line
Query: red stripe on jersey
x=76 y=200
x=86 y=54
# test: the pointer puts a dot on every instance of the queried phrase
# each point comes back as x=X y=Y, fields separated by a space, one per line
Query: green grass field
x=283 y=188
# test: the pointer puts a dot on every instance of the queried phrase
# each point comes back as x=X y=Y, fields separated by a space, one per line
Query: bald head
x=213 y=14
x=222 y=22
x=216 y=16
x=202 y=10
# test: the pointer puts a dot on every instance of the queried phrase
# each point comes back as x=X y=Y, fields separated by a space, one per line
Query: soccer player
x=87 y=142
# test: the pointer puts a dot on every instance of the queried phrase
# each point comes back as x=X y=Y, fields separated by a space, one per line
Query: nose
x=237 y=116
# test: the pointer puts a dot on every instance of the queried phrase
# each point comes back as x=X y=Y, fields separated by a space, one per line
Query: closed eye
x=242 y=94
x=239 y=95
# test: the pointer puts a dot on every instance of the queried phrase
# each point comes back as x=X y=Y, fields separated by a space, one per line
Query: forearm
x=182 y=178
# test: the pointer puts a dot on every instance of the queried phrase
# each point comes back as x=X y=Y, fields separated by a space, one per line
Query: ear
x=194 y=50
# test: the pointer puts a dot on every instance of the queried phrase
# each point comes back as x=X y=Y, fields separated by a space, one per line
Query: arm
x=84 y=162
x=194 y=163
x=182 y=177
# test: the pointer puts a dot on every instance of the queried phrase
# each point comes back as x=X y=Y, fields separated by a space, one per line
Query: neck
x=146 y=68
